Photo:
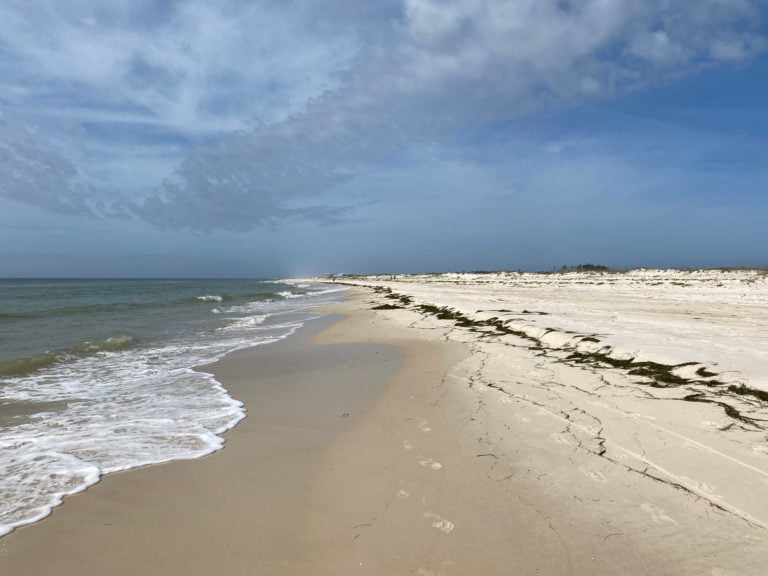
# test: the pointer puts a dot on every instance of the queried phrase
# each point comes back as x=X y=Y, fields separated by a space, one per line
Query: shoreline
x=230 y=511
x=389 y=441
x=119 y=390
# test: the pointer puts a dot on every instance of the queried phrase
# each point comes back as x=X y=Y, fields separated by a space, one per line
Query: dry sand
x=400 y=444
x=642 y=474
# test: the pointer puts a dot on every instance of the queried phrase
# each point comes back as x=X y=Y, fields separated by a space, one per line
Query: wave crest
x=210 y=298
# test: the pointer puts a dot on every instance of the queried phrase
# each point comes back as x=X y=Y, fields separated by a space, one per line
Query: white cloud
x=312 y=97
x=202 y=66
x=656 y=46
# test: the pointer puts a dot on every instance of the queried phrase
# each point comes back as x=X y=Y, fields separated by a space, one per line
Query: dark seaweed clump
x=704 y=373
x=747 y=391
x=658 y=375
x=404 y=299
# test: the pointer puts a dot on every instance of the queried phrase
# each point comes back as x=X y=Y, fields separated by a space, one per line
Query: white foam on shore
x=333 y=290
x=288 y=294
x=113 y=412
x=118 y=410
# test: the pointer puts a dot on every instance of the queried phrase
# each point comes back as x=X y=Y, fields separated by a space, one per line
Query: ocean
x=96 y=376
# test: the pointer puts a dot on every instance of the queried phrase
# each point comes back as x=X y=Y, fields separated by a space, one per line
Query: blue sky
x=269 y=138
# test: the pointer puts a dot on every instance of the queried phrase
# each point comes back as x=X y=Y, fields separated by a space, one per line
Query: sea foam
x=122 y=406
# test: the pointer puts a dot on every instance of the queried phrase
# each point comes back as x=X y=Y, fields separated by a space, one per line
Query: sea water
x=96 y=376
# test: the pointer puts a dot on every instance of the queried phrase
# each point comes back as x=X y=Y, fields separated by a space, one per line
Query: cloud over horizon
x=231 y=116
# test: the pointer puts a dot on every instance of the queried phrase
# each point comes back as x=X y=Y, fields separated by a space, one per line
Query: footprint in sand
x=760 y=448
x=439 y=522
x=505 y=400
x=594 y=475
x=403 y=494
x=522 y=418
x=560 y=438
x=657 y=514
x=709 y=489
x=431 y=464
x=407 y=446
x=423 y=426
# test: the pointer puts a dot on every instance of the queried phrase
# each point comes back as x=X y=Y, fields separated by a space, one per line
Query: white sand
x=621 y=447
x=719 y=318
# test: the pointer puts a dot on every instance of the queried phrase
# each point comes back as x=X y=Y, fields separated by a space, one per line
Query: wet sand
x=238 y=511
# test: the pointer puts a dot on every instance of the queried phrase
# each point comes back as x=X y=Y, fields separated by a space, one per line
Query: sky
x=199 y=138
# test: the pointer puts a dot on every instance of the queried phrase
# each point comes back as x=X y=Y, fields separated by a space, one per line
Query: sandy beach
x=383 y=288
x=241 y=510
x=459 y=426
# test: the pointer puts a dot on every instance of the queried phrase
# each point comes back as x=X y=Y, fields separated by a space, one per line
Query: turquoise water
x=96 y=375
